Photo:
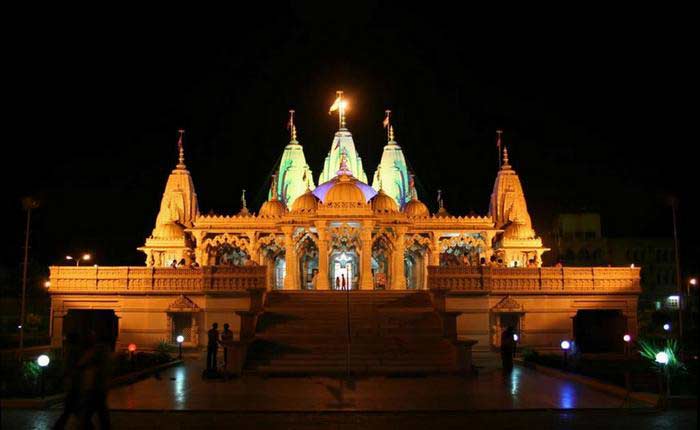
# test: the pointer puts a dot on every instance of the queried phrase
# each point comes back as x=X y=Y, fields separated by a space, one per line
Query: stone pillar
x=322 y=280
x=435 y=249
x=398 y=273
x=290 y=258
x=366 y=281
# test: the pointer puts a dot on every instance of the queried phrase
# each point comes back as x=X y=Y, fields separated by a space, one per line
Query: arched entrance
x=308 y=262
x=344 y=270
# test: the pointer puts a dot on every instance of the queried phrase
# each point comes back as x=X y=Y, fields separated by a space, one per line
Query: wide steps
x=390 y=332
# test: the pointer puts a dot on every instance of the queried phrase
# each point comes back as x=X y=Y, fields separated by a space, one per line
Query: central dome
x=344 y=189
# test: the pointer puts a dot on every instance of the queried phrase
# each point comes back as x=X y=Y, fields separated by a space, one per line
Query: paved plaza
x=179 y=398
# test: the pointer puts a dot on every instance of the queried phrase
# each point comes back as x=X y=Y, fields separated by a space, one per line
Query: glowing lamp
x=693 y=281
x=632 y=266
x=87 y=257
x=627 y=338
x=47 y=284
x=667 y=327
x=515 y=337
x=132 y=347
x=662 y=357
x=180 y=339
x=68 y=257
x=43 y=360
x=565 y=345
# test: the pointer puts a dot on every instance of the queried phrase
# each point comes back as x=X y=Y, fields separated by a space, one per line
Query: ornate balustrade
x=140 y=280
x=543 y=280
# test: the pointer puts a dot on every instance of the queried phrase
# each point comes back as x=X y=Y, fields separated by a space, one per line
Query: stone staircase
x=306 y=332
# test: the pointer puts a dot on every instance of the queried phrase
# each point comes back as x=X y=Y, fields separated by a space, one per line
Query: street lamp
x=180 y=338
x=515 y=337
x=43 y=361
x=565 y=345
x=667 y=327
x=47 y=284
x=84 y=257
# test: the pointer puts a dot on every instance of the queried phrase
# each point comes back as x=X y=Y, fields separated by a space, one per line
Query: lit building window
x=672 y=302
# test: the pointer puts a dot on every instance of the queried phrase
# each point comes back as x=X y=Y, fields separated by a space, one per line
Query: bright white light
x=47 y=284
x=693 y=281
x=43 y=360
x=565 y=345
x=662 y=357
x=19 y=326
x=515 y=337
x=626 y=338
x=667 y=327
x=673 y=298
x=68 y=257
x=632 y=266
x=86 y=257
x=180 y=339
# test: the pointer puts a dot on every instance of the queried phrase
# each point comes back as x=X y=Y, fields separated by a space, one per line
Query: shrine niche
x=382 y=248
x=227 y=250
x=461 y=250
x=272 y=253
x=307 y=252
x=183 y=320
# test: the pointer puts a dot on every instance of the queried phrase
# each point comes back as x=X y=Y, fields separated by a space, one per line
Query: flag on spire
x=336 y=105
x=386 y=118
x=290 y=123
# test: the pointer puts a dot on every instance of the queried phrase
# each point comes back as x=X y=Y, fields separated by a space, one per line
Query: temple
x=343 y=233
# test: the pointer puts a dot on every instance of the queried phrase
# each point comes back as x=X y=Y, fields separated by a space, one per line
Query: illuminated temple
x=344 y=231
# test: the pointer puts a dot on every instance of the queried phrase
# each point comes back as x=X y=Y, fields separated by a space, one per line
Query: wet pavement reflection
x=182 y=388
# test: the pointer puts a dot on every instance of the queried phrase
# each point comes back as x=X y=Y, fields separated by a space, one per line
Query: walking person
x=343 y=282
x=71 y=377
x=507 y=349
x=96 y=371
x=212 y=347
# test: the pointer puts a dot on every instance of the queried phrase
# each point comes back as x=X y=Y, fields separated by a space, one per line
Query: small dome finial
x=505 y=158
x=244 y=205
x=273 y=187
x=181 y=150
x=412 y=186
x=391 y=134
x=439 y=199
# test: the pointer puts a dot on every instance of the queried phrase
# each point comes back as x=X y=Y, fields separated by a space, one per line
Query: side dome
x=169 y=231
x=345 y=190
x=305 y=203
x=382 y=203
x=519 y=231
x=272 y=208
x=416 y=209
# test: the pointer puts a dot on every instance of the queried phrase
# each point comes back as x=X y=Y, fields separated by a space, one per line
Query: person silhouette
x=507 y=349
x=212 y=346
x=343 y=282
x=337 y=282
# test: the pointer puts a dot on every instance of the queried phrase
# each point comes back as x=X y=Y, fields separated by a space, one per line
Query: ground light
x=565 y=345
x=43 y=361
x=627 y=339
x=515 y=337
x=180 y=339
x=662 y=358
x=667 y=327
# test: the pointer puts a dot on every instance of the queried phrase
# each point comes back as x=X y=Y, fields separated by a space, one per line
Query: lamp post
x=28 y=203
x=43 y=361
x=662 y=358
x=84 y=257
x=674 y=203
x=565 y=345
x=180 y=338
x=627 y=339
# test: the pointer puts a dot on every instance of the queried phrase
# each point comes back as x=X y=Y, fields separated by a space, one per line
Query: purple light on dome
x=322 y=189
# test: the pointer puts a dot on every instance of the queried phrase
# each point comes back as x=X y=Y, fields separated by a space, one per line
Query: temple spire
x=181 y=150
x=292 y=127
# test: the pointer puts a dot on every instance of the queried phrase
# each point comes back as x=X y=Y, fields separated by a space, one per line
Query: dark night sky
x=593 y=104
